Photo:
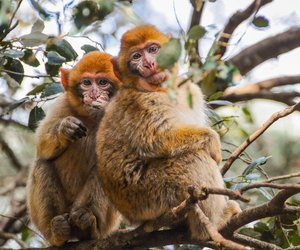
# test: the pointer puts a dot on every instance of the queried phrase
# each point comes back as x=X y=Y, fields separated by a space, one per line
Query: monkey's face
x=95 y=90
x=142 y=62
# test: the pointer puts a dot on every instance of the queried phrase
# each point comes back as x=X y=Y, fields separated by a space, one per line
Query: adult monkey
x=64 y=193
x=151 y=150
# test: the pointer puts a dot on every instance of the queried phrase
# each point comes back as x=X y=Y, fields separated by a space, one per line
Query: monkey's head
x=137 y=58
x=91 y=83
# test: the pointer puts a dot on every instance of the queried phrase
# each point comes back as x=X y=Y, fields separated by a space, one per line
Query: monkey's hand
x=83 y=218
x=60 y=230
x=72 y=128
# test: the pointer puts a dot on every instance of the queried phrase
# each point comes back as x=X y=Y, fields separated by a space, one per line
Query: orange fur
x=64 y=193
x=137 y=37
x=150 y=149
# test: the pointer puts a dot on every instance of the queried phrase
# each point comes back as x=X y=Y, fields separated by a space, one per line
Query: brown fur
x=64 y=193
x=150 y=149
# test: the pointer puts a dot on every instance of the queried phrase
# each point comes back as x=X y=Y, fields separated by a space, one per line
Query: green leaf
x=17 y=103
x=33 y=39
x=36 y=114
x=253 y=176
x=85 y=13
x=261 y=227
x=30 y=59
x=54 y=58
x=253 y=165
x=13 y=53
x=52 y=70
x=14 y=66
x=105 y=8
x=37 y=89
x=190 y=99
x=216 y=96
x=265 y=193
x=38 y=26
x=25 y=234
x=52 y=89
x=220 y=103
x=260 y=22
x=62 y=47
x=196 y=32
x=247 y=114
x=249 y=232
x=88 y=48
x=169 y=54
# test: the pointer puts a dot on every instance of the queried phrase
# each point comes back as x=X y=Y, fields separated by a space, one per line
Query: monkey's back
x=141 y=184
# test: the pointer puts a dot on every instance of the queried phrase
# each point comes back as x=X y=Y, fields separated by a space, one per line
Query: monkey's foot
x=83 y=218
x=60 y=230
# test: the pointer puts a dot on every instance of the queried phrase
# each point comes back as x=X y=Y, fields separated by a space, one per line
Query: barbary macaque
x=64 y=193
x=149 y=149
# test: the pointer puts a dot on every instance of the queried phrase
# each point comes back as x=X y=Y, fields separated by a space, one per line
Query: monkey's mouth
x=157 y=78
x=97 y=103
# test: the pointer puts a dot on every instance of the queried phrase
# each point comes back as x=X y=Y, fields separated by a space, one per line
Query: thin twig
x=10 y=154
x=282 y=177
x=270 y=185
x=11 y=236
x=256 y=134
x=21 y=74
x=235 y=21
x=10 y=28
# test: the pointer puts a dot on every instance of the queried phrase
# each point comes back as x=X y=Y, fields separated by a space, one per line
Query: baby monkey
x=64 y=193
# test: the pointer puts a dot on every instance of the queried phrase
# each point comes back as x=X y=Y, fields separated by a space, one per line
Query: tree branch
x=257 y=244
x=256 y=134
x=10 y=154
x=263 y=85
x=284 y=97
x=274 y=207
x=235 y=21
x=282 y=177
x=268 y=48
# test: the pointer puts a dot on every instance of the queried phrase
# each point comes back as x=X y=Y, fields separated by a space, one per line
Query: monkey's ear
x=64 y=77
x=114 y=61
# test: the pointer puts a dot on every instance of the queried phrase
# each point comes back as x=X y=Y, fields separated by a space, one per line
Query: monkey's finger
x=82 y=127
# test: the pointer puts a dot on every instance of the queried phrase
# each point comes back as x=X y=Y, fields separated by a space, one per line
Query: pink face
x=96 y=89
x=142 y=62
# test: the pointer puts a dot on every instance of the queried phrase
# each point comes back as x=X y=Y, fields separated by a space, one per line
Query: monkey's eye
x=153 y=48
x=103 y=82
x=86 y=82
x=136 y=56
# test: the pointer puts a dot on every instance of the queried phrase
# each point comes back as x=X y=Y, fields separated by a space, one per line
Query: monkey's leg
x=92 y=211
x=47 y=204
x=179 y=140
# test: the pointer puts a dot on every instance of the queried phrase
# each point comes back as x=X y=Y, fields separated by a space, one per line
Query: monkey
x=65 y=198
x=149 y=149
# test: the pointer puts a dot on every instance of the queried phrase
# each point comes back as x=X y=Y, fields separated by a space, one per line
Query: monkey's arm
x=55 y=137
x=179 y=140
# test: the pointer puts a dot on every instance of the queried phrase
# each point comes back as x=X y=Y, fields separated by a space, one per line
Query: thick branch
x=263 y=85
x=272 y=208
x=257 y=244
x=235 y=21
x=256 y=134
x=271 y=47
x=284 y=97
